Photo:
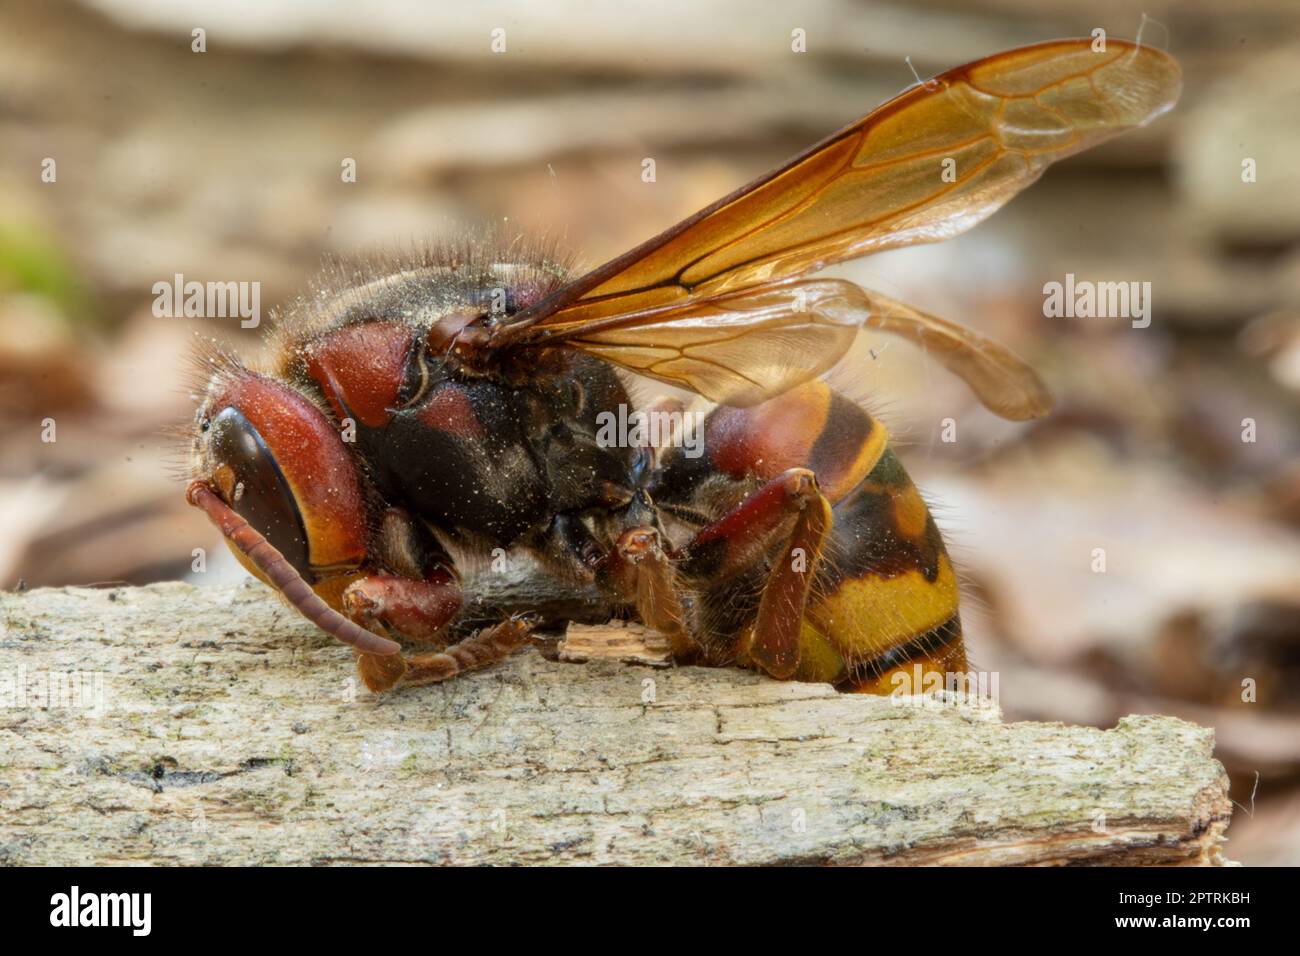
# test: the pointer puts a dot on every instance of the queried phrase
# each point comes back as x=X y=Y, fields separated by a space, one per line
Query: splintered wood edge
x=620 y=641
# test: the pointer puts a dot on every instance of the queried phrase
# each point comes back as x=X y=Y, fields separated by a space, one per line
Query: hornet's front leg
x=425 y=607
x=484 y=647
x=418 y=610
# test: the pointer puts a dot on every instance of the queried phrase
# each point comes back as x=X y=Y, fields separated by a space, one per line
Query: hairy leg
x=789 y=511
x=484 y=647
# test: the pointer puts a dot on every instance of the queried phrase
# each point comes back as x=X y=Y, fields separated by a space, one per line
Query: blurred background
x=225 y=166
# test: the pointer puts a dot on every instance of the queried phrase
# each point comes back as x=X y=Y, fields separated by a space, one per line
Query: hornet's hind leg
x=874 y=594
x=790 y=514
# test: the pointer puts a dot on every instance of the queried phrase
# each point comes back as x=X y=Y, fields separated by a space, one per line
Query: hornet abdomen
x=882 y=597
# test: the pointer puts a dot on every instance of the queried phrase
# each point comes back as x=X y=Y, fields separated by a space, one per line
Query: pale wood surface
x=225 y=730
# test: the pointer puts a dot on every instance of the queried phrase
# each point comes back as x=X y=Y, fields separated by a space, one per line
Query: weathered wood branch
x=173 y=724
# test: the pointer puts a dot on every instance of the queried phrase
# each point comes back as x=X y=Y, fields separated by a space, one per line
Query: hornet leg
x=789 y=509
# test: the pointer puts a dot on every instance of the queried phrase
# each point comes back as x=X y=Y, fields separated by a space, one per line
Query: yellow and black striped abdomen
x=886 y=595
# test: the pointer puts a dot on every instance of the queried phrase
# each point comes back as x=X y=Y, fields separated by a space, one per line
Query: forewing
x=927 y=165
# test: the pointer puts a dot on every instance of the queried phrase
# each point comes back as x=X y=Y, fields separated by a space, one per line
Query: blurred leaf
x=32 y=263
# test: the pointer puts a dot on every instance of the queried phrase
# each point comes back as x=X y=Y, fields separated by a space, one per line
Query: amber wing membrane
x=929 y=164
x=737 y=348
x=741 y=348
x=998 y=377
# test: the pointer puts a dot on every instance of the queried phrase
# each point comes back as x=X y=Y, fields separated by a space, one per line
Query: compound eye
x=252 y=483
